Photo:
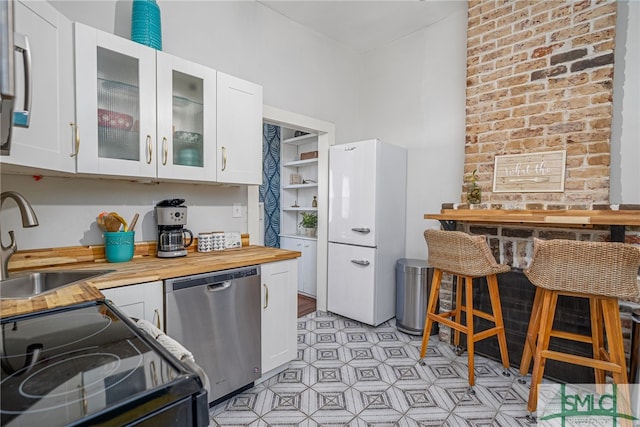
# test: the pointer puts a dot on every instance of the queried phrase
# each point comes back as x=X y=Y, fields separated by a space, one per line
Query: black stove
x=88 y=364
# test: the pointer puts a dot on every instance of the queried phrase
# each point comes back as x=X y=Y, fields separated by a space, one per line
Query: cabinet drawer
x=126 y=293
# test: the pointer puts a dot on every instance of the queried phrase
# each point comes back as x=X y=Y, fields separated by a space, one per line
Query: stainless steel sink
x=43 y=282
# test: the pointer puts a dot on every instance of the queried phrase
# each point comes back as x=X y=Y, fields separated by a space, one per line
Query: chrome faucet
x=29 y=219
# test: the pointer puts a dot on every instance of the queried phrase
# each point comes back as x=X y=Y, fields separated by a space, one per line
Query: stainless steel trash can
x=413 y=283
x=634 y=362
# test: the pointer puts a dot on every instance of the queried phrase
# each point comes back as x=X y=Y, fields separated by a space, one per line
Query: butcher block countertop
x=540 y=217
x=139 y=270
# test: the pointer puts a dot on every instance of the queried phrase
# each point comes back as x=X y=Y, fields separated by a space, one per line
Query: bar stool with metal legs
x=603 y=272
x=466 y=257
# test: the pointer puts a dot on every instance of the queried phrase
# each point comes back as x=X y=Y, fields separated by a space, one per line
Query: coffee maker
x=171 y=216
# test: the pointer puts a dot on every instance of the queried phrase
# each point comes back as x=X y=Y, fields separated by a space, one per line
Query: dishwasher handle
x=212 y=281
x=219 y=287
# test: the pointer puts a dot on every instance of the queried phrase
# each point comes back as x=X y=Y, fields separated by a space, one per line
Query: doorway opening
x=289 y=198
x=295 y=193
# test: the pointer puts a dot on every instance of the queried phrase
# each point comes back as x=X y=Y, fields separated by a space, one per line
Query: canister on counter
x=233 y=239
x=218 y=240
x=205 y=242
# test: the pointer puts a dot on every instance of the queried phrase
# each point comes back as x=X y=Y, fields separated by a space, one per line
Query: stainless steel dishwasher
x=216 y=316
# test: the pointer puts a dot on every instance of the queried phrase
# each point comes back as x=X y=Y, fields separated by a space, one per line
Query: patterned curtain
x=270 y=189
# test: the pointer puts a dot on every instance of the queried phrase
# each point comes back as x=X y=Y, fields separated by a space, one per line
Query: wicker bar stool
x=466 y=257
x=599 y=271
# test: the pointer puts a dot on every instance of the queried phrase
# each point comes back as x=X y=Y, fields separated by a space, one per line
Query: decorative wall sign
x=530 y=173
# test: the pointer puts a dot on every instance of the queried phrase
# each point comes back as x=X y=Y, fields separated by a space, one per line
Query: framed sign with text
x=530 y=173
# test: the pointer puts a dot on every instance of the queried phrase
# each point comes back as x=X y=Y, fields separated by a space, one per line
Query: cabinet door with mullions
x=186 y=119
x=115 y=104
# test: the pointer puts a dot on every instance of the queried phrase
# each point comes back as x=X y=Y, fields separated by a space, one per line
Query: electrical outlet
x=236 y=211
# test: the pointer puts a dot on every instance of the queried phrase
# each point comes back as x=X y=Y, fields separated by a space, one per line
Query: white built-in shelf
x=302 y=196
x=299 y=140
x=300 y=209
x=296 y=186
x=297 y=163
x=299 y=236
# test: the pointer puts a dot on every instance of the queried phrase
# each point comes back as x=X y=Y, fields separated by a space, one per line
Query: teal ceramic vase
x=146 y=27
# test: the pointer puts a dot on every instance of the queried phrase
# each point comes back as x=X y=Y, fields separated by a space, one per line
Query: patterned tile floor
x=350 y=374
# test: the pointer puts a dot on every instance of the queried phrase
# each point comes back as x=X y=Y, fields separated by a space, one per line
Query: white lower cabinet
x=279 y=310
x=279 y=314
x=307 y=266
x=142 y=301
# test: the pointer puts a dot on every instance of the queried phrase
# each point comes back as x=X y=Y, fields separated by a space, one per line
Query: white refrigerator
x=367 y=210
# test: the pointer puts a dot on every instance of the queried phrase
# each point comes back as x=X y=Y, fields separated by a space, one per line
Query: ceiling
x=365 y=25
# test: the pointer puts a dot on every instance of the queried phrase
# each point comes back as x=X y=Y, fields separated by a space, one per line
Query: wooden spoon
x=133 y=222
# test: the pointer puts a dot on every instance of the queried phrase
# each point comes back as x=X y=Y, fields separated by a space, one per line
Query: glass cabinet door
x=118 y=106
x=115 y=104
x=186 y=119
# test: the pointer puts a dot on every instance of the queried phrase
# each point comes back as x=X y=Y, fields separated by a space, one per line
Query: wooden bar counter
x=616 y=220
x=540 y=217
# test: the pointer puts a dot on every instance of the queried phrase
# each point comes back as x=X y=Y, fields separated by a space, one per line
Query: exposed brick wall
x=540 y=78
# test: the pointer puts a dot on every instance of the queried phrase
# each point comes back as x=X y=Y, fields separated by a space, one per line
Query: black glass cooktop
x=63 y=366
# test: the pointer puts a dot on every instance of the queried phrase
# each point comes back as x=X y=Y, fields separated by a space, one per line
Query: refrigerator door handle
x=22 y=46
x=363 y=262
x=363 y=230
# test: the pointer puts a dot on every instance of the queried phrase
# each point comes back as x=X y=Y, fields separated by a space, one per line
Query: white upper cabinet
x=186 y=126
x=239 y=131
x=42 y=135
x=115 y=105
x=137 y=112
x=148 y=114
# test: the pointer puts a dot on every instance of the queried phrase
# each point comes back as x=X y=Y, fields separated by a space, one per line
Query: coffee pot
x=174 y=240
x=173 y=237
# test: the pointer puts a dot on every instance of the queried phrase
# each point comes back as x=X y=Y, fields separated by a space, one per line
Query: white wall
x=67 y=208
x=625 y=129
x=299 y=70
x=413 y=95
